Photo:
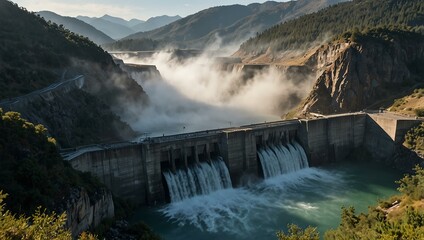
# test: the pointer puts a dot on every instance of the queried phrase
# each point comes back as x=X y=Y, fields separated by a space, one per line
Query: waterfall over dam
x=278 y=159
x=199 y=179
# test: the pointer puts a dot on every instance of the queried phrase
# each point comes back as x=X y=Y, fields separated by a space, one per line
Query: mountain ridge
x=119 y=28
x=112 y=29
x=77 y=26
x=196 y=30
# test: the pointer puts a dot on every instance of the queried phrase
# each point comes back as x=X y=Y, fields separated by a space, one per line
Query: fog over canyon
x=201 y=92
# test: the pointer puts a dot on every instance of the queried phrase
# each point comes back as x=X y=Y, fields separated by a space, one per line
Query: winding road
x=10 y=101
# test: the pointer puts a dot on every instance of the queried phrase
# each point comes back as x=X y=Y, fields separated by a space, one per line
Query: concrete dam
x=140 y=170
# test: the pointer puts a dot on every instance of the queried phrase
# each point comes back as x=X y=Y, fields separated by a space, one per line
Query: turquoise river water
x=311 y=196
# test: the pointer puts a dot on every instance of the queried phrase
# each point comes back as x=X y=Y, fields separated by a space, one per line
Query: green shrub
x=419 y=112
x=414 y=137
x=39 y=226
x=297 y=233
x=413 y=185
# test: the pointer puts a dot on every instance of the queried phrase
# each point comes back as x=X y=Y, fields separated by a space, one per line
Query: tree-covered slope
x=32 y=171
x=361 y=14
x=265 y=16
x=35 y=54
x=77 y=26
x=230 y=24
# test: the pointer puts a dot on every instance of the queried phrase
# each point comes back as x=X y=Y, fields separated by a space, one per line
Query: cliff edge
x=360 y=70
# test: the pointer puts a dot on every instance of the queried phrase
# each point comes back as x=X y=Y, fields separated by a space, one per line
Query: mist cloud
x=196 y=94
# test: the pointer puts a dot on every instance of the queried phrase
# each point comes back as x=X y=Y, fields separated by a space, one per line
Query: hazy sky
x=127 y=9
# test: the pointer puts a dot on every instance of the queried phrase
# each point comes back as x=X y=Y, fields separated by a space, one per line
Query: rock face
x=353 y=75
x=84 y=211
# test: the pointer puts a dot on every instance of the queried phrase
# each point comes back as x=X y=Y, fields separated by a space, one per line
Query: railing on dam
x=70 y=153
x=270 y=124
x=182 y=136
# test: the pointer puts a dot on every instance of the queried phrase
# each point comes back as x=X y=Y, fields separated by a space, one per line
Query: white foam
x=238 y=211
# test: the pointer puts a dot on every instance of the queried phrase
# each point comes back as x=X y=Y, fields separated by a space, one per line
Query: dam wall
x=332 y=138
x=135 y=169
x=120 y=169
x=385 y=132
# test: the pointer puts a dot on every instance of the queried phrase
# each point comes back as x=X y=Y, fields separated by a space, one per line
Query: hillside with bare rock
x=362 y=69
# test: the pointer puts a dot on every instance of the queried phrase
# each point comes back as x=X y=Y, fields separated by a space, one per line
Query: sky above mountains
x=127 y=9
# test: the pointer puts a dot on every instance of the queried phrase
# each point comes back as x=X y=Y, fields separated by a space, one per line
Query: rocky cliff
x=86 y=212
x=354 y=73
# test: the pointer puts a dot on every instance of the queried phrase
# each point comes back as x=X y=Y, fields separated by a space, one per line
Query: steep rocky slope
x=84 y=212
x=359 y=71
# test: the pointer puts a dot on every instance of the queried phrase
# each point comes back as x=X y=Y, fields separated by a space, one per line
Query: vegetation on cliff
x=297 y=233
x=39 y=226
x=414 y=139
x=335 y=20
x=400 y=217
x=32 y=171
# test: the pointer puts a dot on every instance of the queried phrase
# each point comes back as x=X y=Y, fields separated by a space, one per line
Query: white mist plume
x=196 y=94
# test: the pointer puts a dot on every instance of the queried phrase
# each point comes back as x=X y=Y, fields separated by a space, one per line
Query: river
x=311 y=196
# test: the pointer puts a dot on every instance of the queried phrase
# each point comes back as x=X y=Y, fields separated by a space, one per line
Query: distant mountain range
x=77 y=26
x=118 y=28
x=234 y=23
